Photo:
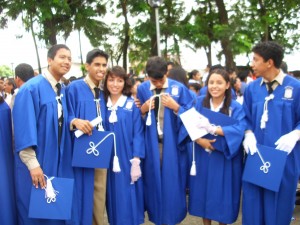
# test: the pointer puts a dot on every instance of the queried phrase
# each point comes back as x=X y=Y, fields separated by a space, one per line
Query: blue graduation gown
x=125 y=203
x=80 y=101
x=36 y=125
x=262 y=206
x=215 y=190
x=164 y=183
x=7 y=194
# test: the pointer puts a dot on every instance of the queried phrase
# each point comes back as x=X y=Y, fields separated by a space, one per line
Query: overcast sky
x=15 y=50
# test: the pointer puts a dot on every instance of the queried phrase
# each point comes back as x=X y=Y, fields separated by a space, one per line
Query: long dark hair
x=227 y=101
x=119 y=72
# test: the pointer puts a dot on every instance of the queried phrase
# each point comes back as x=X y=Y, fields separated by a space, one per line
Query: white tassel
x=193 y=171
x=264 y=118
x=113 y=116
x=149 y=121
x=50 y=193
x=116 y=165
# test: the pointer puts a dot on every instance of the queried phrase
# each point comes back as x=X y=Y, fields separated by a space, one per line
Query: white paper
x=191 y=119
x=94 y=122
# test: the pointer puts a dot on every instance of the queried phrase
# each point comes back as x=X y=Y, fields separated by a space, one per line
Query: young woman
x=125 y=189
x=215 y=190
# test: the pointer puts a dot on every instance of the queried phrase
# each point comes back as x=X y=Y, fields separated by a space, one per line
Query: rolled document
x=94 y=122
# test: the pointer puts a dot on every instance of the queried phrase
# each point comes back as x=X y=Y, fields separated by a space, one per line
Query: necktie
x=97 y=92
x=60 y=112
x=156 y=103
x=270 y=88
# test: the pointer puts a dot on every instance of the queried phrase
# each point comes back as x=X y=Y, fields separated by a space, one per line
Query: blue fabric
x=7 y=194
x=261 y=206
x=36 y=125
x=125 y=203
x=81 y=105
x=215 y=190
x=164 y=183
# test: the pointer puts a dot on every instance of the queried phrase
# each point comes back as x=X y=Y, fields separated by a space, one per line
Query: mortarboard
x=54 y=202
x=93 y=151
x=265 y=168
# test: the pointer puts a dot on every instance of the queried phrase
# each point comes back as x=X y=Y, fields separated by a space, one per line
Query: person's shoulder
x=292 y=80
x=33 y=83
x=76 y=83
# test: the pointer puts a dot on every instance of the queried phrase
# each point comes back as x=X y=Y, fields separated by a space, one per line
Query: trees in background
x=126 y=28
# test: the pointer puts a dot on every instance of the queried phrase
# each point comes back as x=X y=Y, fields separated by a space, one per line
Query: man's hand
x=84 y=125
x=37 y=177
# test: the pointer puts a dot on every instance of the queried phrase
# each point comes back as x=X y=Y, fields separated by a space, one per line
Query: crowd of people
x=156 y=163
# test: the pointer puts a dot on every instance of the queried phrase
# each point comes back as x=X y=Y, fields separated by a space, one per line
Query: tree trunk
x=126 y=34
x=225 y=42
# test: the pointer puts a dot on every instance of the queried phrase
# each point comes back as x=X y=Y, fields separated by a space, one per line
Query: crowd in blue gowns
x=162 y=190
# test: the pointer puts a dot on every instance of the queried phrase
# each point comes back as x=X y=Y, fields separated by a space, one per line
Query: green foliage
x=6 y=71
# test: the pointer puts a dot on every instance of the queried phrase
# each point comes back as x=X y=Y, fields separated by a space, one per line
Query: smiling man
x=85 y=103
x=272 y=106
x=42 y=141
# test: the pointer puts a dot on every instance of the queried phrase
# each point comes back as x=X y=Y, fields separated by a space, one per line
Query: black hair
x=227 y=101
x=179 y=74
x=156 y=67
x=119 y=72
x=196 y=86
x=284 y=67
x=53 y=50
x=24 y=71
x=270 y=50
x=193 y=73
x=95 y=53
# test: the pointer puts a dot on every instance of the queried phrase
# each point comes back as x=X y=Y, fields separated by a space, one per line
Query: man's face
x=259 y=65
x=97 y=69
x=158 y=83
x=61 y=64
x=1 y=85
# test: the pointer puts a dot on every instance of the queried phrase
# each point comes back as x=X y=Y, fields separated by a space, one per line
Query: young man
x=85 y=103
x=42 y=142
x=280 y=129
x=23 y=72
x=164 y=180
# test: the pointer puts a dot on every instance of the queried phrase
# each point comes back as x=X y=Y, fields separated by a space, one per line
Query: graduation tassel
x=116 y=164
x=264 y=118
x=149 y=120
x=193 y=171
x=50 y=193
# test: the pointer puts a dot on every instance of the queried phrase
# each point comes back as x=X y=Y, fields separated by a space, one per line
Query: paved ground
x=192 y=220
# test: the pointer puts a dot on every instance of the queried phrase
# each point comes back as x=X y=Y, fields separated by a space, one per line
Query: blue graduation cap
x=265 y=168
x=54 y=202
x=218 y=119
x=93 y=151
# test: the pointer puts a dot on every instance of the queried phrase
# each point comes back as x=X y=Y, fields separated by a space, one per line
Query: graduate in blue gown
x=7 y=194
x=215 y=189
x=42 y=140
x=84 y=105
x=164 y=187
x=276 y=96
x=125 y=203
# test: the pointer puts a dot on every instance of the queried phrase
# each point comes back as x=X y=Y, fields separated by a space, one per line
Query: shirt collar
x=51 y=79
x=121 y=101
x=90 y=83
x=166 y=85
x=279 y=78
x=218 y=108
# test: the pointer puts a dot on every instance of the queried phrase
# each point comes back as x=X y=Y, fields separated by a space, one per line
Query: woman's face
x=7 y=87
x=197 y=76
x=115 y=85
x=217 y=86
x=238 y=84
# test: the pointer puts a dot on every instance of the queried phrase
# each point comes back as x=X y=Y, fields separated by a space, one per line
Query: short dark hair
x=156 y=67
x=53 y=50
x=95 y=53
x=24 y=71
x=119 y=72
x=270 y=50
x=193 y=73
